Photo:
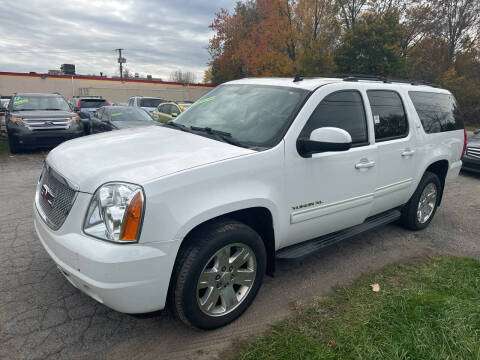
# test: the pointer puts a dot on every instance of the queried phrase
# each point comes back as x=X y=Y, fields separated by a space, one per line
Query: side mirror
x=476 y=132
x=324 y=139
x=174 y=114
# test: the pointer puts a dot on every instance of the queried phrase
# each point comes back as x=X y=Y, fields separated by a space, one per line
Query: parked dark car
x=471 y=159
x=85 y=106
x=40 y=120
x=109 y=118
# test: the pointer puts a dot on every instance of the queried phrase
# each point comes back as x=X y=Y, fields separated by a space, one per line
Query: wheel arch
x=439 y=168
x=259 y=218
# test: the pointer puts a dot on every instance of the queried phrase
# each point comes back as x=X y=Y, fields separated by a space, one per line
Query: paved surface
x=43 y=317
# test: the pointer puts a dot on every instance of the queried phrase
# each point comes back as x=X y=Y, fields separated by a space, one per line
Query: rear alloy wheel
x=421 y=208
x=217 y=274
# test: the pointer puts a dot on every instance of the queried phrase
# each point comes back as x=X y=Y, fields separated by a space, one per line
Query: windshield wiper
x=176 y=126
x=222 y=135
x=52 y=109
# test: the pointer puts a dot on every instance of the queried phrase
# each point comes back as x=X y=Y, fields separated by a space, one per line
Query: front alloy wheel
x=217 y=274
x=226 y=279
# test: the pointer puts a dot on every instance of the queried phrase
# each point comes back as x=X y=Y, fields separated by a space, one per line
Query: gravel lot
x=42 y=316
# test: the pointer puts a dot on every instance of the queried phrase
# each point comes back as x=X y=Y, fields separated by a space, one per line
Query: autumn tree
x=350 y=11
x=458 y=22
x=373 y=48
x=318 y=31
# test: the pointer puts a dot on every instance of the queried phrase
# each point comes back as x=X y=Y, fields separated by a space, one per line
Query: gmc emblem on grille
x=47 y=194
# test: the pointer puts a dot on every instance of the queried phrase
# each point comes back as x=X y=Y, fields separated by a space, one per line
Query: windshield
x=255 y=115
x=92 y=103
x=129 y=114
x=150 y=102
x=39 y=102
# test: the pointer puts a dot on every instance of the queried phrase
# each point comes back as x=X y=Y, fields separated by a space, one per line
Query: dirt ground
x=43 y=317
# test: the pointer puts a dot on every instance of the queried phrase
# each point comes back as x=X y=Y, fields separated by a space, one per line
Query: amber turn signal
x=16 y=119
x=132 y=218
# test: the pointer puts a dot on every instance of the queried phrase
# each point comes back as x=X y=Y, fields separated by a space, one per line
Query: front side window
x=256 y=115
x=389 y=115
x=341 y=109
x=437 y=112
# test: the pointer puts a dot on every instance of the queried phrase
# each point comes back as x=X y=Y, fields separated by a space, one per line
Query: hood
x=134 y=123
x=43 y=114
x=136 y=155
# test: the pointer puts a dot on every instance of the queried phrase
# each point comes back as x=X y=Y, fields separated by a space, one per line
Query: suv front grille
x=54 y=197
x=47 y=123
x=473 y=152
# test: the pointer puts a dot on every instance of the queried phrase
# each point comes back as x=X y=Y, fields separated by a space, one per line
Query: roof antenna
x=298 y=77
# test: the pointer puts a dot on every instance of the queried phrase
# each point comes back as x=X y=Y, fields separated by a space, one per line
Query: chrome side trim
x=328 y=209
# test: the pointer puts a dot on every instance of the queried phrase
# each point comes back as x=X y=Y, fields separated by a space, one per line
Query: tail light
x=108 y=104
x=79 y=103
x=464 y=143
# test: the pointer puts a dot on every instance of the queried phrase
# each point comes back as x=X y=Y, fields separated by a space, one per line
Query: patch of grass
x=423 y=311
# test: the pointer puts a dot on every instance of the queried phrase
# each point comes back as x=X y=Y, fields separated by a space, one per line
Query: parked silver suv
x=149 y=104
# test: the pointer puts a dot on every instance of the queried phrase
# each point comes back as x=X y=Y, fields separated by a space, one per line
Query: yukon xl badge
x=47 y=194
x=308 y=205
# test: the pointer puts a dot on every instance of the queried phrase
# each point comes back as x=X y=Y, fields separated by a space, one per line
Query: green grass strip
x=424 y=311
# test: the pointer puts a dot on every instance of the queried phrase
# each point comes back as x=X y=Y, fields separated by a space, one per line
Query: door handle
x=408 y=152
x=364 y=164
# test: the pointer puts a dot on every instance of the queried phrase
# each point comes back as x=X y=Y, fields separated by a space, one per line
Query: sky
x=159 y=37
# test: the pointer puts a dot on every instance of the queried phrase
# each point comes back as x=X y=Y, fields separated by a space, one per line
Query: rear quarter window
x=437 y=112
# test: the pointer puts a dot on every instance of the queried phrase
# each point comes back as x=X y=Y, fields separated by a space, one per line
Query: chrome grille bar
x=473 y=152
x=47 y=123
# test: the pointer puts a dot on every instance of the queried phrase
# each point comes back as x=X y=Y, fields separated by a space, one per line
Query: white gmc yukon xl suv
x=194 y=213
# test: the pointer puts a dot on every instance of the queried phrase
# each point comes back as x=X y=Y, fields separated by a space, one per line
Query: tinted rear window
x=150 y=102
x=93 y=103
x=388 y=115
x=437 y=112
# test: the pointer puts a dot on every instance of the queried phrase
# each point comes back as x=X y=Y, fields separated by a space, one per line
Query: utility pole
x=121 y=61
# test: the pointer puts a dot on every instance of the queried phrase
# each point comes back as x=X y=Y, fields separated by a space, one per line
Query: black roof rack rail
x=358 y=77
x=365 y=77
x=387 y=80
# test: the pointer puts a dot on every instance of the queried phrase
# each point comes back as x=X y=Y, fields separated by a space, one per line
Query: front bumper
x=131 y=278
x=471 y=164
x=43 y=138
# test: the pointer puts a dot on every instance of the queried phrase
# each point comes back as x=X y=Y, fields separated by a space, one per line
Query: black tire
x=201 y=246
x=13 y=145
x=409 y=213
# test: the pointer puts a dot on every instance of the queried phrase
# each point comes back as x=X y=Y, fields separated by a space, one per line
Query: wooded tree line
x=437 y=41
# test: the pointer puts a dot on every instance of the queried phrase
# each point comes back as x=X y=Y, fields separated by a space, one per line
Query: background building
x=112 y=89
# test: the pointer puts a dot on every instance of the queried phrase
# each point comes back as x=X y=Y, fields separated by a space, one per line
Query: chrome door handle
x=408 y=152
x=364 y=164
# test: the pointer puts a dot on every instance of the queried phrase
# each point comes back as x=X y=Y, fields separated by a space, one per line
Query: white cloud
x=158 y=36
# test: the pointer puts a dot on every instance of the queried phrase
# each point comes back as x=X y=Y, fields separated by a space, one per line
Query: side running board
x=294 y=252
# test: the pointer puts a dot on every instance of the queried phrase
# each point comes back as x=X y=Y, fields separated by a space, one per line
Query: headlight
x=115 y=213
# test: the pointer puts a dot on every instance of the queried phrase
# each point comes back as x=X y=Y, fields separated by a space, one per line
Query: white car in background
x=149 y=104
x=195 y=212
x=3 y=108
